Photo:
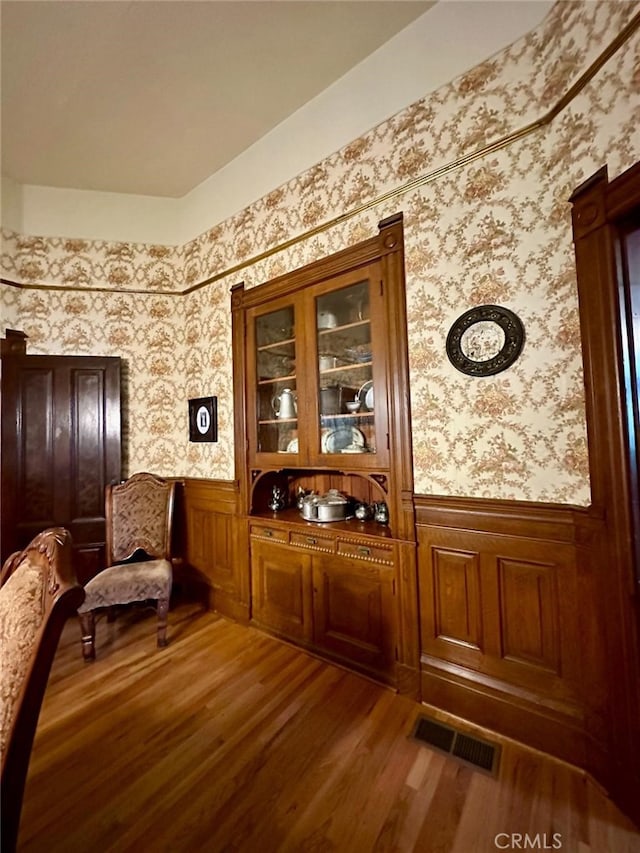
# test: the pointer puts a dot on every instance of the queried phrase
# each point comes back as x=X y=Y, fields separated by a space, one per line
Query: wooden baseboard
x=555 y=734
x=228 y=605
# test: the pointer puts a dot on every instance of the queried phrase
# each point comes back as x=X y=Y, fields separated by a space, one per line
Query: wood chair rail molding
x=552 y=522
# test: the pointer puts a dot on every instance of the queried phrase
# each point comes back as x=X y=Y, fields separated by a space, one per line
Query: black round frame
x=513 y=330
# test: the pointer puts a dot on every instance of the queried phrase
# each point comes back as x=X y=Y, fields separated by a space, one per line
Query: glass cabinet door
x=346 y=366
x=276 y=384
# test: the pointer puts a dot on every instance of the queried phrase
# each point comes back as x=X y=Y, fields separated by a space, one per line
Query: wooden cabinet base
x=340 y=607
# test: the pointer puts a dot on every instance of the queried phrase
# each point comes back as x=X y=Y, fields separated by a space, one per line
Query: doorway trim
x=598 y=206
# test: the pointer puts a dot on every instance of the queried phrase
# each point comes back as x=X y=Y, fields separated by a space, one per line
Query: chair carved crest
x=137 y=518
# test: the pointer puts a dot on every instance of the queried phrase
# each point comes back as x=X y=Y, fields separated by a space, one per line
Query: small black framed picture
x=203 y=419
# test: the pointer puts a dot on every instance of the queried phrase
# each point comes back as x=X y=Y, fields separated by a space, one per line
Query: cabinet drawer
x=265 y=531
x=365 y=551
x=315 y=541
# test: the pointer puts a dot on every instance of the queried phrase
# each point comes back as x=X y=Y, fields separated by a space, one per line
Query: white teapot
x=284 y=404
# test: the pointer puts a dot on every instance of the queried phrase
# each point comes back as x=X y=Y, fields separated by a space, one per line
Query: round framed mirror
x=485 y=340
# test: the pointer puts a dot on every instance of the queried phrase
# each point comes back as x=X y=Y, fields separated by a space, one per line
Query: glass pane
x=345 y=371
x=277 y=399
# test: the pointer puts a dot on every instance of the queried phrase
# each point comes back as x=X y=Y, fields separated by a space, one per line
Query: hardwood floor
x=230 y=740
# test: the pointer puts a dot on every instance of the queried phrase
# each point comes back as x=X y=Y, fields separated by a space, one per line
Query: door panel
x=281 y=590
x=353 y=612
x=88 y=436
x=35 y=458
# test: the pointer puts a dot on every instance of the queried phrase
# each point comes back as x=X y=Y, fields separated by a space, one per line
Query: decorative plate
x=485 y=340
x=365 y=395
x=335 y=440
x=292 y=447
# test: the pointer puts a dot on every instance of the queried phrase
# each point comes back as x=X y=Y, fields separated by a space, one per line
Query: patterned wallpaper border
x=157 y=266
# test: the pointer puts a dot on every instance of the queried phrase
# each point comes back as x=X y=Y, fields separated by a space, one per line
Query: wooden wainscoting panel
x=450 y=605
x=198 y=537
x=500 y=628
x=211 y=535
x=529 y=614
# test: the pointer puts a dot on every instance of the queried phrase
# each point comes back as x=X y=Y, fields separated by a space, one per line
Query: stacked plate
x=343 y=437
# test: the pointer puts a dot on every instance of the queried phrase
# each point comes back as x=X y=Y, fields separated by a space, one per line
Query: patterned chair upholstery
x=38 y=593
x=139 y=515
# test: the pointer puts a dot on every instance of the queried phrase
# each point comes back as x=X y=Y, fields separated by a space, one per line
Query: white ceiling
x=152 y=97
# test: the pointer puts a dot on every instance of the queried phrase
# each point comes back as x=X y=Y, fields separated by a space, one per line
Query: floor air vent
x=471 y=750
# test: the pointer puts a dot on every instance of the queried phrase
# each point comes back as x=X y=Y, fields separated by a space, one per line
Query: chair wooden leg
x=163 y=613
x=88 y=627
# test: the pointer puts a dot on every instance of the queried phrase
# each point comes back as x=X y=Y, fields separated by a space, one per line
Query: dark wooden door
x=60 y=448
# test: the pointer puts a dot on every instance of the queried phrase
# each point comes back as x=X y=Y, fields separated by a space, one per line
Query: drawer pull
x=267 y=532
x=311 y=540
x=362 y=549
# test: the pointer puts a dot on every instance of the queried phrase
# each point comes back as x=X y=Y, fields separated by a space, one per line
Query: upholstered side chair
x=139 y=514
x=38 y=593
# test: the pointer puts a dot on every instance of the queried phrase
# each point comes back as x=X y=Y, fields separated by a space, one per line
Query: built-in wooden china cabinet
x=321 y=403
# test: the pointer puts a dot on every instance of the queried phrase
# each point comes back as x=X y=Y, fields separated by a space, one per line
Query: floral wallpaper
x=496 y=230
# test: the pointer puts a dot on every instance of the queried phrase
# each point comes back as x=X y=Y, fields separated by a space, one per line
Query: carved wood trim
x=597 y=208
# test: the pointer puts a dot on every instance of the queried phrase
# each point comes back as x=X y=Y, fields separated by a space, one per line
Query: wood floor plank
x=230 y=740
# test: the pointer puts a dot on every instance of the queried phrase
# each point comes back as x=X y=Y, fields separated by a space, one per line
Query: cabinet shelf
x=289 y=343
x=289 y=421
x=346 y=327
x=291 y=516
x=344 y=367
x=350 y=416
x=271 y=380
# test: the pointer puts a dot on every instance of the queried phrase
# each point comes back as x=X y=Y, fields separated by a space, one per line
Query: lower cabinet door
x=281 y=590
x=353 y=613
